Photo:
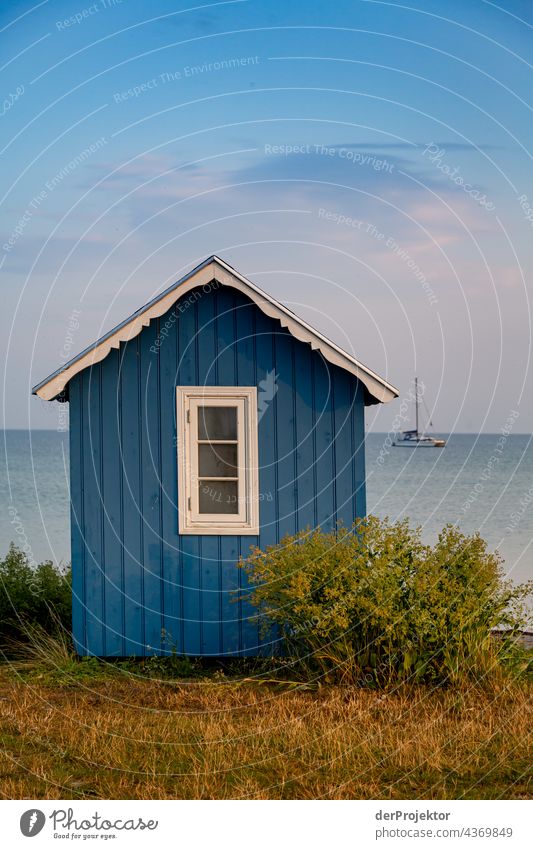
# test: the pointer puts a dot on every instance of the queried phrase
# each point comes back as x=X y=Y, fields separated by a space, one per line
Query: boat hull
x=439 y=443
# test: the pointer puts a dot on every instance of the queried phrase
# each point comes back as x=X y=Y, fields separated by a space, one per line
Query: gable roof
x=214 y=268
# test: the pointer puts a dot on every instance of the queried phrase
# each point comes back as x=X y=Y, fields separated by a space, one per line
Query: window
x=217 y=460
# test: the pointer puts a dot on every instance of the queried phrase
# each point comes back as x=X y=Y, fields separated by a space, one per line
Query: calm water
x=482 y=483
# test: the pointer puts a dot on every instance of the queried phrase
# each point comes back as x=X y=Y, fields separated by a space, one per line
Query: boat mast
x=416 y=404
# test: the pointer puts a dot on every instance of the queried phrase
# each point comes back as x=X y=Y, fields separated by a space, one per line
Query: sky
x=367 y=163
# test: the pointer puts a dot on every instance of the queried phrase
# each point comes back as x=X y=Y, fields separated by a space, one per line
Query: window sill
x=219 y=530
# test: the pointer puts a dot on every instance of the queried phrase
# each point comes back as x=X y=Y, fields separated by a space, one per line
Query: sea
x=478 y=482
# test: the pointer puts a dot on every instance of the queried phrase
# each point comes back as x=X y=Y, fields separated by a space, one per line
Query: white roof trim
x=214 y=268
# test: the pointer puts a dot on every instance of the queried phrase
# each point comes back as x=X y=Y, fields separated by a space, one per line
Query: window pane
x=217 y=423
x=217 y=461
x=218 y=497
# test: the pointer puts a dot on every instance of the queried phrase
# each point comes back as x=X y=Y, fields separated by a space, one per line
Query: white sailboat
x=416 y=438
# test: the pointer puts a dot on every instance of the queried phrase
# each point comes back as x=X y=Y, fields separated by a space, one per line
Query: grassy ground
x=86 y=732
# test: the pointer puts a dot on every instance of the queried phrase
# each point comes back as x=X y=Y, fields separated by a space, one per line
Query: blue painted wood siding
x=134 y=577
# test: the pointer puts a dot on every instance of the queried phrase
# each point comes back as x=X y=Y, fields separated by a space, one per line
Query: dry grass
x=120 y=736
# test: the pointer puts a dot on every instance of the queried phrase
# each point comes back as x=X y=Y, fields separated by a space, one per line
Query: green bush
x=32 y=596
x=374 y=605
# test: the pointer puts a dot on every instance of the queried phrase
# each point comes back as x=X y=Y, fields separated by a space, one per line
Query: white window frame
x=188 y=400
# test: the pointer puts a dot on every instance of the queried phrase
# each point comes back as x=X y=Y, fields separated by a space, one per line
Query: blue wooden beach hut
x=210 y=420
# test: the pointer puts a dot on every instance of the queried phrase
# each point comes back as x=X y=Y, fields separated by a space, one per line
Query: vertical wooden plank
x=190 y=545
x=210 y=545
x=231 y=607
x=344 y=401
x=227 y=550
x=207 y=346
x=171 y=571
x=210 y=595
x=268 y=483
x=225 y=336
x=151 y=490
x=305 y=436
x=76 y=516
x=285 y=433
x=135 y=643
x=111 y=494
x=303 y=389
x=240 y=625
x=191 y=582
x=325 y=472
x=266 y=330
x=93 y=510
x=359 y=433
x=245 y=312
